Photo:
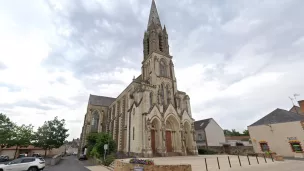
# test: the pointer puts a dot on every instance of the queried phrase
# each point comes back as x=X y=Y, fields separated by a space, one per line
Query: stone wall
x=232 y=150
x=122 y=166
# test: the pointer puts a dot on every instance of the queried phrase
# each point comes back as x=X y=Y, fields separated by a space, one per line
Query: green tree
x=96 y=142
x=227 y=132
x=21 y=136
x=6 y=130
x=52 y=134
x=246 y=132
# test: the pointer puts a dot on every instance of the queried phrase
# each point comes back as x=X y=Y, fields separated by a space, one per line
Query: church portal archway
x=155 y=135
x=188 y=136
x=172 y=134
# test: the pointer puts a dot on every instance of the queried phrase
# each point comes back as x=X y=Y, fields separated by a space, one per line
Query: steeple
x=154 y=17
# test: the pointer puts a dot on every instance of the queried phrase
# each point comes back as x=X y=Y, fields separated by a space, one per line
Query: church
x=151 y=117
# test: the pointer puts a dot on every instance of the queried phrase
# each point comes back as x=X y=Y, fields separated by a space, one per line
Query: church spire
x=153 y=17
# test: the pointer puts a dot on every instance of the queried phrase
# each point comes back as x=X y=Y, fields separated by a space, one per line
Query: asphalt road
x=69 y=163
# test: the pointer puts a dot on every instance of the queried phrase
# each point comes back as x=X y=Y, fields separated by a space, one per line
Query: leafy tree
x=96 y=142
x=6 y=130
x=227 y=132
x=246 y=132
x=52 y=134
x=21 y=136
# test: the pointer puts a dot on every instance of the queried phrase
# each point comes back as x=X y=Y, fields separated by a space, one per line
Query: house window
x=133 y=132
x=296 y=146
x=264 y=146
x=200 y=137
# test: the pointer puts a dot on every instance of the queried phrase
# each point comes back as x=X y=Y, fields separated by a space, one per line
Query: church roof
x=154 y=17
x=279 y=116
x=101 y=100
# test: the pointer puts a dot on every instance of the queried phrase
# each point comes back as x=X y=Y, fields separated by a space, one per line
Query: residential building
x=151 y=117
x=208 y=133
x=280 y=131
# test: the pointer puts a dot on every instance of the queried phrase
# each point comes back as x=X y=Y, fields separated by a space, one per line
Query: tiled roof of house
x=202 y=124
x=279 y=116
x=239 y=138
x=101 y=100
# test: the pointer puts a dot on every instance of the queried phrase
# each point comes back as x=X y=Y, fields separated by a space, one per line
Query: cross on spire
x=153 y=17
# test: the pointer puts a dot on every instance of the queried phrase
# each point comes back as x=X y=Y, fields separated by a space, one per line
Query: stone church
x=151 y=117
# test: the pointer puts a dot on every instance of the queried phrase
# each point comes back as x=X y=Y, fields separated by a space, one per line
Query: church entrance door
x=168 y=141
x=153 y=141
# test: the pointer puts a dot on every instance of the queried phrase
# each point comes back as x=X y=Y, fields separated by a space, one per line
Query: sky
x=238 y=60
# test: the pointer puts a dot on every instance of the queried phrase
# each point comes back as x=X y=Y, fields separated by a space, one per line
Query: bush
x=206 y=151
x=109 y=159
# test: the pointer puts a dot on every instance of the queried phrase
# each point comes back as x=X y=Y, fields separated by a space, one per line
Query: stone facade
x=150 y=117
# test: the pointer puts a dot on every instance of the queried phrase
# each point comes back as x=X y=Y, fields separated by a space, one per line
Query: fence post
x=206 y=164
x=239 y=160
x=218 y=163
x=229 y=161
x=257 y=159
x=248 y=160
x=264 y=158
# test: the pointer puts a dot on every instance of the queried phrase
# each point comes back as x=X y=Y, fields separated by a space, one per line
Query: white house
x=208 y=133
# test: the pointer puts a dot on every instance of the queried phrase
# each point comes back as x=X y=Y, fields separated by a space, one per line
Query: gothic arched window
x=162 y=93
x=95 y=121
x=168 y=94
x=151 y=99
x=162 y=68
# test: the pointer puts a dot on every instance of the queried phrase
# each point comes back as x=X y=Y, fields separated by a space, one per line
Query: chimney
x=301 y=103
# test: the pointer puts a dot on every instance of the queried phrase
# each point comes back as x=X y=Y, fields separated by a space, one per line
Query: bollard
x=229 y=161
x=257 y=159
x=239 y=161
x=218 y=163
x=264 y=158
x=206 y=164
x=248 y=160
x=271 y=157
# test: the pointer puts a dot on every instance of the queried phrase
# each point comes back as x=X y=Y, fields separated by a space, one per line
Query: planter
x=299 y=155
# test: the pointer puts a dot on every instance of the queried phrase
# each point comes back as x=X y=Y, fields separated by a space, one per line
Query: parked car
x=25 y=163
x=21 y=155
x=82 y=157
x=4 y=158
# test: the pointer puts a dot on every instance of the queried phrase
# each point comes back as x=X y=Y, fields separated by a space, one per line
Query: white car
x=25 y=163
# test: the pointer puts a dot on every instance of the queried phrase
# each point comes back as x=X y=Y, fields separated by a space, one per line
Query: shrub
x=206 y=151
x=109 y=159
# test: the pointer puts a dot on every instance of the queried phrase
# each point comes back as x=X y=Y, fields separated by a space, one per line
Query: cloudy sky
x=238 y=60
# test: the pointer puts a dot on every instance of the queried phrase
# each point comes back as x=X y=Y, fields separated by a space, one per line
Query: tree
x=21 y=136
x=6 y=130
x=246 y=132
x=227 y=132
x=52 y=134
x=96 y=142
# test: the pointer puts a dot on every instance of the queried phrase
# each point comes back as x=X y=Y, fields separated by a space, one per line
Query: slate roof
x=279 y=116
x=101 y=100
x=202 y=124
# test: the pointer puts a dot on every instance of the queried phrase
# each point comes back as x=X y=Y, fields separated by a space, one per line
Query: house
x=238 y=140
x=280 y=131
x=208 y=133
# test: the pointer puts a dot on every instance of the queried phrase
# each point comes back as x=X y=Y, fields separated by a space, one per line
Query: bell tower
x=156 y=37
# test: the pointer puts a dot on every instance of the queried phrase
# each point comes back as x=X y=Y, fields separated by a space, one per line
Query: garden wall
x=232 y=150
x=123 y=166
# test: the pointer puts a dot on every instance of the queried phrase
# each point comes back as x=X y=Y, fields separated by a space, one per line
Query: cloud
x=237 y=61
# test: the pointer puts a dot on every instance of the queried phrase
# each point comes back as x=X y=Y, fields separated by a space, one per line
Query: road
x=69 y=163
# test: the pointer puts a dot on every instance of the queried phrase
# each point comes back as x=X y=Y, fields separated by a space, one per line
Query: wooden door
x=168 y=141
x=153 y=141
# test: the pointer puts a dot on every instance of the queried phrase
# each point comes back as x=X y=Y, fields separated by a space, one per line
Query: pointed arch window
x=162 y=68
x=162 y=94
x=151 y=99
x=95 y=121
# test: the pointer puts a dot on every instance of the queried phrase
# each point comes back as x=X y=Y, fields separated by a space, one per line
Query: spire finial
x=154 y=17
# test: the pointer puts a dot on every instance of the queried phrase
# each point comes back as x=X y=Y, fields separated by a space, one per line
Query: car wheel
x=33 y=169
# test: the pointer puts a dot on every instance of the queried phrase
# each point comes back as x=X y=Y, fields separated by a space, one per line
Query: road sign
x=105 y=146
